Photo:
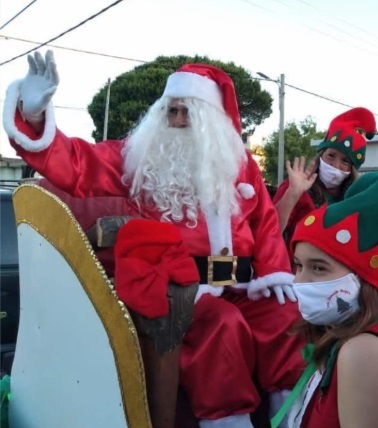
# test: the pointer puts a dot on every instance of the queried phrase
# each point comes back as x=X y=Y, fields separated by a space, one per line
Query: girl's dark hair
x=323 y=337
x=317 y=190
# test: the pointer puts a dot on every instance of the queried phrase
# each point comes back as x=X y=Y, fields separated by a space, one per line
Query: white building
x=11 y=169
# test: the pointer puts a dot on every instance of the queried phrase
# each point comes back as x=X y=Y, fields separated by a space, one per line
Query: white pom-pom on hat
x=246 y=190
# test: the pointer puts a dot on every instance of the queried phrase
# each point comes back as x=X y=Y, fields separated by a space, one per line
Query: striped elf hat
x=348 y=230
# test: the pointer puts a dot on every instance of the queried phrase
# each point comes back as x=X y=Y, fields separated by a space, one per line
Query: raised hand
x=301 y=177
x=38 y=86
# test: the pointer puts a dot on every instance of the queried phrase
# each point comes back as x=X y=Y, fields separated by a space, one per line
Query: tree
x=134 y=91
x=297 y=143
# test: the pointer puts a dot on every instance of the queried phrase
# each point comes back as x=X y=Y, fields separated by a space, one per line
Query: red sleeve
x=75 y=165
x=270 y=254
x=88 y=210
x=280 y=191
x=304 y=205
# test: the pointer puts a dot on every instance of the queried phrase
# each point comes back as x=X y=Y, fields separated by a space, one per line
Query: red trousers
x=233 y=342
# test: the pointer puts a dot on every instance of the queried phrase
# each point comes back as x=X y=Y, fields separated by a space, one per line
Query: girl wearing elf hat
x=336 y=284
x=329 y=174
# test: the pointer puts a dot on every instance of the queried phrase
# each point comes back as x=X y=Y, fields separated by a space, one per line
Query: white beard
x=178 y=170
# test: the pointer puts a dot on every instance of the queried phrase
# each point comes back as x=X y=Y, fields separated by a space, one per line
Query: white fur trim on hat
x=191 y=85
x=246 y=190
x=9 y=114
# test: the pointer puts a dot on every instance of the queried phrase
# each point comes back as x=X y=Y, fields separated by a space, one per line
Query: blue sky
x=326 y=47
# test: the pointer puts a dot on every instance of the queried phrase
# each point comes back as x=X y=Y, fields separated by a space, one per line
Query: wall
x=11 y=169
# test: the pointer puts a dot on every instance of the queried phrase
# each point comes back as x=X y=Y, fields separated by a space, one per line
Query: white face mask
x=328 y=302
x=331 y=176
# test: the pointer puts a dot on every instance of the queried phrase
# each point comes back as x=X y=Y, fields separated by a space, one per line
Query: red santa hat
x=348 y=133
x=347 y=230
x=148 y=255
x=208 y=83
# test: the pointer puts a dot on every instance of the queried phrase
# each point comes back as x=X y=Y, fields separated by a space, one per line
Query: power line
x=342 y=30
x=254 y=78
x=64 y=33
x=323 y=33
x=70 y=49
x=319 y=96
x=168 y=66
x=18 y=14
x=310 y=93
x=363 y=30
x=323 y=97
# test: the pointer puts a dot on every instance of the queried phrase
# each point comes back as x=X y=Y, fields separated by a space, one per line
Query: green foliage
x=297 y=143
x=4 y=403
x=131 y=94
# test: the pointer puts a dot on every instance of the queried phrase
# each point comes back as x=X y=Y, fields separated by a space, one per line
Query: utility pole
x=281 y=132
x=105 y=134
x=281 y=135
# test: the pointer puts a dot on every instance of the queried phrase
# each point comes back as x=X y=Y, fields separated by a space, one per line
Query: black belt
x=224 y=270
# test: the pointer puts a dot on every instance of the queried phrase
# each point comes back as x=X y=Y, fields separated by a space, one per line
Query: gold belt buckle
x=210 y=270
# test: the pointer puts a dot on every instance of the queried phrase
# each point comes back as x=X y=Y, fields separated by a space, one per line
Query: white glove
x=38 y=86
x=279 y=290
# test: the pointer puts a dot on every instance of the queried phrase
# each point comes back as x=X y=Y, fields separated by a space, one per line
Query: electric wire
x=349 y=43
x=140 y=61
x=17 y=39
x=64 y=33
x=39 y=45
x=350 y=24
x=17 y=14
x=340 y=30
x=321 y=96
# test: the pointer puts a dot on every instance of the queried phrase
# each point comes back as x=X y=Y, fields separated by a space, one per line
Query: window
x=8 y=232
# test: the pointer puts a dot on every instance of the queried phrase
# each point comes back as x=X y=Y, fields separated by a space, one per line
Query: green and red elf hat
x=347 y=230
x=348 y=133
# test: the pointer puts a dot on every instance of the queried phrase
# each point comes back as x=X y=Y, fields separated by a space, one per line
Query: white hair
x=179 y=170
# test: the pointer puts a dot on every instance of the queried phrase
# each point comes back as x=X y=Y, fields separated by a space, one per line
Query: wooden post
x=162 y=380
x=160 y=341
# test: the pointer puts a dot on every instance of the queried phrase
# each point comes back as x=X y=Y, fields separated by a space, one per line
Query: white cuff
x=9 y=114
x=233 y=421
x=263 y=282
x=208 y=289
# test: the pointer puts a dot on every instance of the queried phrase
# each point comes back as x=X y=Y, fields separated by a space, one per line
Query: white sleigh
x=78 y=363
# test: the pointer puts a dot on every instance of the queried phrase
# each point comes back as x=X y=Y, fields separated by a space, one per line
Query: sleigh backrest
x=77 y=362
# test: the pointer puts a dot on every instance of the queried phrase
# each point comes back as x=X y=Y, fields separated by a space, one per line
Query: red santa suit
x=233 y=341
x=304 y=205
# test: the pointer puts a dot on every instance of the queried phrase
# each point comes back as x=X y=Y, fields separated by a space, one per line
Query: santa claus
x=185 y=163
